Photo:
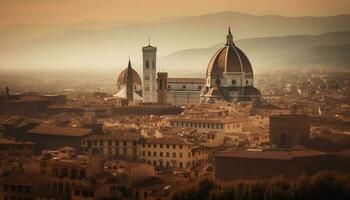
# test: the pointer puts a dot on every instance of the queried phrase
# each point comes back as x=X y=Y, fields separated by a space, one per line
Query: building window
x=154 y=153
x=161 y=154
x=218 y=82
x=167 y=154
x=146 y=78
x=199 y=87
x=174 y=154
x=174 y=146
x=246 y=82
x=160 y=86
x=149 y=153
x=184 y=87
x=147 y=64
x=167 y=146
x=161 y=145
x=233 y=82
x=155 y=145
x=180 y=146
x=169 y=86
x=180 y=155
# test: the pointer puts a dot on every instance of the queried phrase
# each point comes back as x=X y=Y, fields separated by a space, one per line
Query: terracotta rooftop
x=69 y=163
x=11 y=141
x=60 y=131
x=186 y=80
x=116 y=136
x=212 y=120
x=167 y=140
x=26 y=99
x=22 y=179
x=270 y=155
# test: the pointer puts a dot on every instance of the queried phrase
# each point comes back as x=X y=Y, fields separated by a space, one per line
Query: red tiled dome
x=229 y=59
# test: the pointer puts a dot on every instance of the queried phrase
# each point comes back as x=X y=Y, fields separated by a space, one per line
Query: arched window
x=234 y=82
x=147 y=64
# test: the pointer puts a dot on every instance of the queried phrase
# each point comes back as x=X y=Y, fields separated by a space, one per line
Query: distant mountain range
x=325 y=50
x=107 y=45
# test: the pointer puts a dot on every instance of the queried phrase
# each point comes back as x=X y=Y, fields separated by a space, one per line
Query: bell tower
x=149 y=86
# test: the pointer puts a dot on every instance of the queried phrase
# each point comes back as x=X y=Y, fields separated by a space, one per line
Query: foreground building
x=265 y=164
x=287 y=131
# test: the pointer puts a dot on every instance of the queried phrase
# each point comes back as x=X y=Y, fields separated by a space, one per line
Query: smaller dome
x=122 y=78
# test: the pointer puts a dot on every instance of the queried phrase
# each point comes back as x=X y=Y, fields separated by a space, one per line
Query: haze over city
x=65 y=35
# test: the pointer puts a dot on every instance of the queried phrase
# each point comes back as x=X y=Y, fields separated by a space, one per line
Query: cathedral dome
x=229 y=59
x=122 y=78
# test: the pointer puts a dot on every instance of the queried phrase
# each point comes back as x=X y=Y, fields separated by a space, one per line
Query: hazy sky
x=70 y=11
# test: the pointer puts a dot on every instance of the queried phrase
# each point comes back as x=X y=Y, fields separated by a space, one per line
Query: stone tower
x=129 y=84
x=149 y=86
x=162 y=87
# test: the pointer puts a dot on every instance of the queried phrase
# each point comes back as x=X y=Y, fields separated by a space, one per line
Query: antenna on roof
x=149 y=40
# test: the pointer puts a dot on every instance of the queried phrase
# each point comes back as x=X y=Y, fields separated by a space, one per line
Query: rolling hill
x=330 y=49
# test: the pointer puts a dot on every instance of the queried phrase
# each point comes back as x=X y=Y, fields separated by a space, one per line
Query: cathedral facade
x=229 y=76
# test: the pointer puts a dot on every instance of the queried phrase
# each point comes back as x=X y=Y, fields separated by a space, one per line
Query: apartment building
x=121 y=145
x=171 y=152
x=214 y=124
